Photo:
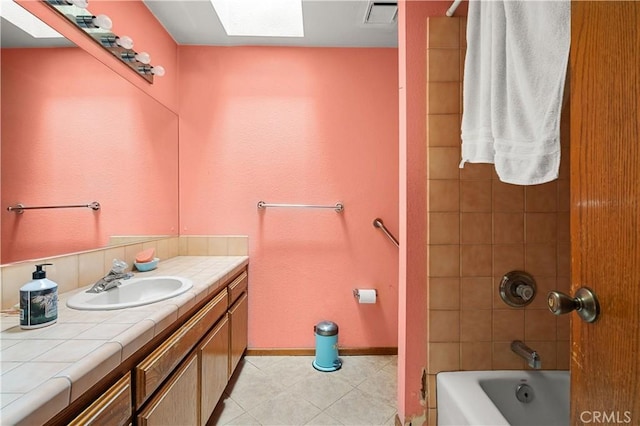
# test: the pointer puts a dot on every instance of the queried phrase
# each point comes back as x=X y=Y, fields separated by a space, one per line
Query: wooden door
x=605 y=209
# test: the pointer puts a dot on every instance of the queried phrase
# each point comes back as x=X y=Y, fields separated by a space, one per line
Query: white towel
x=515 y=69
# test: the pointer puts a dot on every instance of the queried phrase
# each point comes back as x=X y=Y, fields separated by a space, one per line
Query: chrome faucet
x=112 y=279
x=531 y=356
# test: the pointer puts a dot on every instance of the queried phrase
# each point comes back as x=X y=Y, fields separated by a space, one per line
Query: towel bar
x=19 y=208
x=338 y=207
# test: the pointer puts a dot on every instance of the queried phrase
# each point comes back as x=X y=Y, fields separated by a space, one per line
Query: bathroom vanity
x=169 y=366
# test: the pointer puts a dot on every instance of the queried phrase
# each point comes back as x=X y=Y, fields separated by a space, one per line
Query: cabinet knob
x=585 y=303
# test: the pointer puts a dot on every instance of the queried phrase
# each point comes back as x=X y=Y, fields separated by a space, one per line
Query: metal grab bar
x=377 y=223
x=338 y=207
x=19 y=208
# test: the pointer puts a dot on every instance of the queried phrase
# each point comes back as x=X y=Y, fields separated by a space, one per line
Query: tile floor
x=287 y=390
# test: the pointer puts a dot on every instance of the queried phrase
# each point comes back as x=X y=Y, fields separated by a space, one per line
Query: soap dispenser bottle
x=38 y=300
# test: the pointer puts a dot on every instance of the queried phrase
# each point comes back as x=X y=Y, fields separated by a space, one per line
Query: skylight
x=261 y=18
x=24 y=20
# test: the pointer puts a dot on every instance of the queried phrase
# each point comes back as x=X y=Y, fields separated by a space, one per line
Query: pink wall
x=412 y=323
x=297 y=125
x=132 y=18
x=75 y=132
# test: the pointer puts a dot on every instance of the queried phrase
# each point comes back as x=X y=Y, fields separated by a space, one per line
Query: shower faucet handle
x=585 y=303
x=526 y=292
x=517 y=288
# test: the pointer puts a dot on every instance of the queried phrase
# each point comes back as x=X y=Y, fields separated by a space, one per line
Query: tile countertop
x=45 y=369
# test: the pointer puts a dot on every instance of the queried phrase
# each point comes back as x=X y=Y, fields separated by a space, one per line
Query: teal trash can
x=326 y=333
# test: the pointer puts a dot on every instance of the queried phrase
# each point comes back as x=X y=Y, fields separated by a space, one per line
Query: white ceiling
x=327 y=23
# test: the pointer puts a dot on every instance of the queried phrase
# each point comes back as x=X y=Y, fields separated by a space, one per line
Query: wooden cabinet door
x=113 y=408
x=176 y=403
x=605 y=209
x=213 y=358
x=155 y=368
x=239 y=317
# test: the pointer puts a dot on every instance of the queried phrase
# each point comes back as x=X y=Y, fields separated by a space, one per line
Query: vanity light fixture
x=155 y=70
x=82 y=4
x=89 y=21
x=131 y=56
x=143 y=57
x=128 y=56
x=125 y=42
x=98 y=28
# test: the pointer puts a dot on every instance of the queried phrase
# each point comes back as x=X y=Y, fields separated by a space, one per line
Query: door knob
x=585 y=303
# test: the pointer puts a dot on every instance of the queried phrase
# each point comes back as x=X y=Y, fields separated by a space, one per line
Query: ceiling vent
x=381 y=13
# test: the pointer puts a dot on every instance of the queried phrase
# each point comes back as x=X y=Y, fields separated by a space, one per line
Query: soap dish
x=147 y=266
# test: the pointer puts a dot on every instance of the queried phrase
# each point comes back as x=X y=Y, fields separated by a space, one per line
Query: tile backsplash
x=80 y=269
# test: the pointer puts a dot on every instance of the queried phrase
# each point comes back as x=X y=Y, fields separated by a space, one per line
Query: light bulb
x=82 y=4
x=125 y=42
x=158 y=70
x=102 y=21
x=143 y=57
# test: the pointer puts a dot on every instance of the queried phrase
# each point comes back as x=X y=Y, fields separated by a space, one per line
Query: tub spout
x=531 y=356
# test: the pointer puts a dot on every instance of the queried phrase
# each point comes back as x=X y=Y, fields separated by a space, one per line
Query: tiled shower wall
x=480 y=229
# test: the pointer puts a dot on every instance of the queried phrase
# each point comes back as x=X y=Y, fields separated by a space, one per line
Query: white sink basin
x=132 y=292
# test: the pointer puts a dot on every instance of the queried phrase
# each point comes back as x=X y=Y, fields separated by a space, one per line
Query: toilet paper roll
x=366 y=296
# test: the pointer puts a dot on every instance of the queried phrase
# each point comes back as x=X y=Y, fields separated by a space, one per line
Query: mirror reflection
x=60 y=146
x=99 y=29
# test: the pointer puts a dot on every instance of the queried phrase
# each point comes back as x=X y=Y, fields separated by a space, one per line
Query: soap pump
x=38 y=300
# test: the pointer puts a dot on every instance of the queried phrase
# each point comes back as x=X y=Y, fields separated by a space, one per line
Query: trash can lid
x=326 y=328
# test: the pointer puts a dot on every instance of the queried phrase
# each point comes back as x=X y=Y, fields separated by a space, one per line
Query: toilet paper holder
x=356 y=293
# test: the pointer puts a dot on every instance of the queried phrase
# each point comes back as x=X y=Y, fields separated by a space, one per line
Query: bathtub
x=494 y=398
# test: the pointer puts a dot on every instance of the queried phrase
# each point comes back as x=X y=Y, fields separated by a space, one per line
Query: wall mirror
x=73 y=132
